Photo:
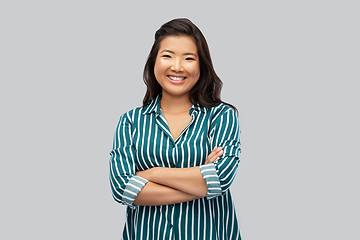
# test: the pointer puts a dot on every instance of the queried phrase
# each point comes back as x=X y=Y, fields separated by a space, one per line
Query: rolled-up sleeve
x=225 y=133
x=125 y=185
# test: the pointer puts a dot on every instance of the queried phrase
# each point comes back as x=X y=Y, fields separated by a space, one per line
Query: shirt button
x=170 y=225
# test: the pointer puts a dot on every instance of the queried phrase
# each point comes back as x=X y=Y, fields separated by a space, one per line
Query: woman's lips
x=176 y=79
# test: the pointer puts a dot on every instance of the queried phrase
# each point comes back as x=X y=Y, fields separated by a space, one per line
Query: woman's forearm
x=187 y=180
x=153 y=194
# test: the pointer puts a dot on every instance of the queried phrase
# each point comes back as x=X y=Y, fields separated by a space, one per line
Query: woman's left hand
x=214 y=155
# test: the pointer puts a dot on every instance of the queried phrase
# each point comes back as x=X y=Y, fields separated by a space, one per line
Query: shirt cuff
x=208 y=171
x=132 y=189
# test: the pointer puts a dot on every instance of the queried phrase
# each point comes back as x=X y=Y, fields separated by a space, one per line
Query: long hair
x=207 y=90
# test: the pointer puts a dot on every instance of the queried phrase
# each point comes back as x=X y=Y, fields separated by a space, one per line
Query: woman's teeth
x=176 y=78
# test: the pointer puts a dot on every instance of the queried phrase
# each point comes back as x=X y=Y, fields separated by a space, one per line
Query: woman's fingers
x=213 y=152
x=214 y=155
x=211 y=156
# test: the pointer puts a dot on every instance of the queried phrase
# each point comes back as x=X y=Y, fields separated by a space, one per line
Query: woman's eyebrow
x=169 y=51
x=193 y=54
x=165 y=50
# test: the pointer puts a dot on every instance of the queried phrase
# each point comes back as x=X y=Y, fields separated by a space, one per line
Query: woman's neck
x=175 y=104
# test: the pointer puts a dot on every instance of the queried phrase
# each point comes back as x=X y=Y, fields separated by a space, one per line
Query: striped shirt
x=143 y=140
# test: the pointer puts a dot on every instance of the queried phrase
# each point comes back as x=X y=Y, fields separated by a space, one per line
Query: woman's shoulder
x=134 y=113
x=221 y=108
x=222 y=111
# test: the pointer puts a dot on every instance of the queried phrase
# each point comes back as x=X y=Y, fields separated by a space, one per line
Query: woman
x=174 y=158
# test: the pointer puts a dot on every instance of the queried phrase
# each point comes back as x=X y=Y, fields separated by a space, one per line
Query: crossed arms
x=162 y=186
x=174 y=185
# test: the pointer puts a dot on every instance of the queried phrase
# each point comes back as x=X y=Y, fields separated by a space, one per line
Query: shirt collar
x=196 y=107
x=154 y=107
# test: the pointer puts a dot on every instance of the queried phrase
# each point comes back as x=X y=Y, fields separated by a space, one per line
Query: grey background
x=69 y=69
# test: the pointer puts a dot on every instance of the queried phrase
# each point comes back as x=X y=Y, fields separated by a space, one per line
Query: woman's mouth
x=176 y=79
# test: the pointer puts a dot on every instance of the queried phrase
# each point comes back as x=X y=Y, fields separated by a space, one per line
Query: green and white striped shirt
x=143 y=140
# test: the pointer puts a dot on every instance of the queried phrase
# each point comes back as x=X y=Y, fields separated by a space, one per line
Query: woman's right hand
x=214 y=155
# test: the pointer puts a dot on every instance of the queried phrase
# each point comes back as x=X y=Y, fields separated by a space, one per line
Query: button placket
x=170 y=214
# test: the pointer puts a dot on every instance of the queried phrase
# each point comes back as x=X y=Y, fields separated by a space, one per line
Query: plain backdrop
x=69 y=69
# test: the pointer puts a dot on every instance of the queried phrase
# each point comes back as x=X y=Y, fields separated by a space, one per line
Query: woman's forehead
x=178 y=44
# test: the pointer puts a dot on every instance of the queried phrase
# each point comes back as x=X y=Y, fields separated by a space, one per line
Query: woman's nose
x=177 y=66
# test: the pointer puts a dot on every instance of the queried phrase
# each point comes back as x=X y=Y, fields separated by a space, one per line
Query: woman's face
x=177 y=66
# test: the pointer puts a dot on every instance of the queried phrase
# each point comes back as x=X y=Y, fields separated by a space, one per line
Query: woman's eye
x=189 y=58
x=166 y=56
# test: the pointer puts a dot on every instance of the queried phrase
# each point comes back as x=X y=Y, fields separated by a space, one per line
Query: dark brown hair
x=206 y=91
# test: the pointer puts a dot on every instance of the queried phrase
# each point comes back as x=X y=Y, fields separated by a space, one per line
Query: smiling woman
x=174 y=159
x=177 y=67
